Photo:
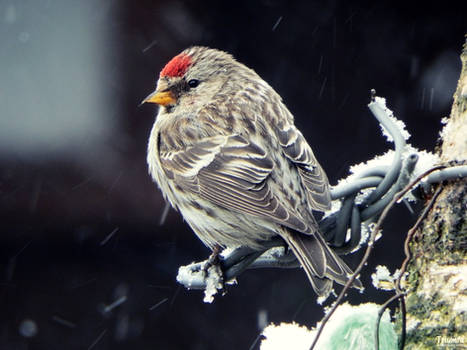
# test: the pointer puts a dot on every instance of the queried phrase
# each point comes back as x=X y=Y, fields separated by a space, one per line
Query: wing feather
x=232 y=173
x=299 y=152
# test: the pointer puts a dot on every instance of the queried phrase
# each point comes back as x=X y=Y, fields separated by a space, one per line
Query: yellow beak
x=162 y=98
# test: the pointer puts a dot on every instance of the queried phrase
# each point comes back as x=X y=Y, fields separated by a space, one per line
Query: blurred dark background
x=79 y=214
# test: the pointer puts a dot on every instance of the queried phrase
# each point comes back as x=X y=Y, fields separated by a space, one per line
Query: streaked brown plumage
x=225 y=152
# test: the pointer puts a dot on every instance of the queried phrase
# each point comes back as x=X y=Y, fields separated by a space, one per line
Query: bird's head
x=192 y=78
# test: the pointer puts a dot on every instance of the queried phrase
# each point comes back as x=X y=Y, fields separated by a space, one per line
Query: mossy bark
x=437 y=273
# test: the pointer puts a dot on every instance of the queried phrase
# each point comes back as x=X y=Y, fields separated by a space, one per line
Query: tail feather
x=315 y=256
x=320 y=263
x=337 y=269
x=321 y=286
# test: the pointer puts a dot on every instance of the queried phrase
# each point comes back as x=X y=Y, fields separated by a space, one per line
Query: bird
x=225 y=152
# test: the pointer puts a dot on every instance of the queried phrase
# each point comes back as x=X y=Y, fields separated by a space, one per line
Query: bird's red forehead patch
x=177 y=66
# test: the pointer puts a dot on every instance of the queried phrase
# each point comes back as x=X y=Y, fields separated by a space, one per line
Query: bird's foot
x=212 y=267
x=213 y=259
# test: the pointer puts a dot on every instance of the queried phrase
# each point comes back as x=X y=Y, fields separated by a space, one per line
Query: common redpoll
x=225 y=153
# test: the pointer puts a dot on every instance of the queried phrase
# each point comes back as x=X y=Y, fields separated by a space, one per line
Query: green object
x=353 y=327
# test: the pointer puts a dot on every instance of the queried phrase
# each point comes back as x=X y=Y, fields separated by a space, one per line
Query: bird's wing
x=232 y=172
x=313 y=176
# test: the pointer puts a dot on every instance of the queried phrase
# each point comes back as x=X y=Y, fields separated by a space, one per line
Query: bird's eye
x=193 y=83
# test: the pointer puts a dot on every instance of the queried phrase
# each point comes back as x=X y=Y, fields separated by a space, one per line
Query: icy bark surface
x=437 y=282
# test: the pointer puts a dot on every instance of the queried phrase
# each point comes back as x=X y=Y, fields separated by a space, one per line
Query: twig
x=380 y=314
x=404 y=322
x=408 y=256
x=368 y=250
x=410 y=234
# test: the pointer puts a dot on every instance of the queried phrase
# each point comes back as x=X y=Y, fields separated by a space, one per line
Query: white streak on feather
x=204 y=160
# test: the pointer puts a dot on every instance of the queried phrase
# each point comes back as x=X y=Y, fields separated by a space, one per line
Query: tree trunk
x=437 y=280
